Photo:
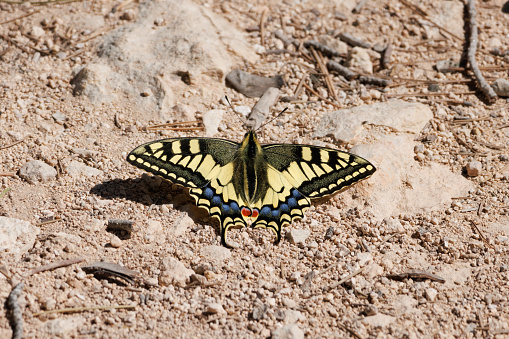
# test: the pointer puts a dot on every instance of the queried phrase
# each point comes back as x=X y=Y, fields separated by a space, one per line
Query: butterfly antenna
x=231 y=106
x=271 y=120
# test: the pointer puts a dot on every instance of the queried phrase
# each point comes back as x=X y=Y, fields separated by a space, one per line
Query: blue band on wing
x=208 y=193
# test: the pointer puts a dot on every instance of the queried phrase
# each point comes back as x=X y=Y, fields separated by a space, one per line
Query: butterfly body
x=267 y=186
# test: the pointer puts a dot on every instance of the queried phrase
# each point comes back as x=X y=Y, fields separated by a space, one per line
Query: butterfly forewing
x=317 y=171
x=190 y=162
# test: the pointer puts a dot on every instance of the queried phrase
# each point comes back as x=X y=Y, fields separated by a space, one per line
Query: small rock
x=379 y=320
x=293 y=316
x=298 y=236
x=216 y=254
x=212 y=120
x=59 y=117
x=215 y=308
x=128 y=15
x=36 y=170
x=173 y=272
x=259 y=311
x=291 y=331
x=501 y=87
x=359 y=58
x=37 y=31
x=115 y=242
x=474 y=168
x=62 y=326
x=244 y=110
x=77 y=169
x=431 y=294
x=49 y=304
x=290 y=303
x=182 y=225
x=419 y=148
x=333 y=312
x=364 y=258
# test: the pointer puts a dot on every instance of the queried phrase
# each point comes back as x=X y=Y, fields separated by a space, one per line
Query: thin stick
x=7 y=174
x=16 y=315
x=485 y=241
x=342 y=281
x=472 y=48
x=263 y=19
x=19 y=17
x=13 y=144
x=319 y=96
x=4 y=192
x=349 y=330
x=395 y=95
x=323 y=69
x=83 y=309
x=48 y=222
x=54 y=265
x=173 y=124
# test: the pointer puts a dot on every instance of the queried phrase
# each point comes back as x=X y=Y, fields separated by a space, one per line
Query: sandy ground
x=255 y=289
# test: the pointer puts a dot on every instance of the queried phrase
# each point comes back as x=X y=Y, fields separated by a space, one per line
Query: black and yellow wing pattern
x=267 y=186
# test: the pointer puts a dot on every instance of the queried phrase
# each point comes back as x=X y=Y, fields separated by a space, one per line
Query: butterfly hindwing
x=317 y=171
x=227 y=211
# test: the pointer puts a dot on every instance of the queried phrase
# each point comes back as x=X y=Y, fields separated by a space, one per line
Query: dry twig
x=11 y=145
x=416 y=274
x=325 y=72
x=472 y=48
x=263 y=20
x=83 y=309
x=19 y=17
x=57 y=264
x=345 y=279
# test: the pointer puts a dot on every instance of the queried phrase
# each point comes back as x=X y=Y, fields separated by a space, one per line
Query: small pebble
x=474 y=168
x=431 y=294
x=215 y=308
x=115 y=242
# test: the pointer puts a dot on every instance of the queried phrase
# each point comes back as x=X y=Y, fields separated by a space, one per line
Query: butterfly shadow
x=150 y=191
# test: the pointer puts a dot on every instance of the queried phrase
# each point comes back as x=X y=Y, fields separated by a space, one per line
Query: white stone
x=140 y=57
x=293 y=316
x=215 y=254
x=348 y=125
x=359 y=59
x=77 y=169
x=36 y=170
x=298 y=236
x=364 y=258
x=291 y=331
x=400 y=185
x=431 y=294
x=173 y=272
x=379 y=320
x=63 y=326
x=215 y=308
x=16 y=236
x=211 y=120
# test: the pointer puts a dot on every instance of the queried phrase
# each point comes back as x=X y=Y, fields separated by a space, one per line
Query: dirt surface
x=255 y=289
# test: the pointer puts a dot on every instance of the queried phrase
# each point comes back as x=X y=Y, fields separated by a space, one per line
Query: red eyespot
x=245 y=211
x=255 y=213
